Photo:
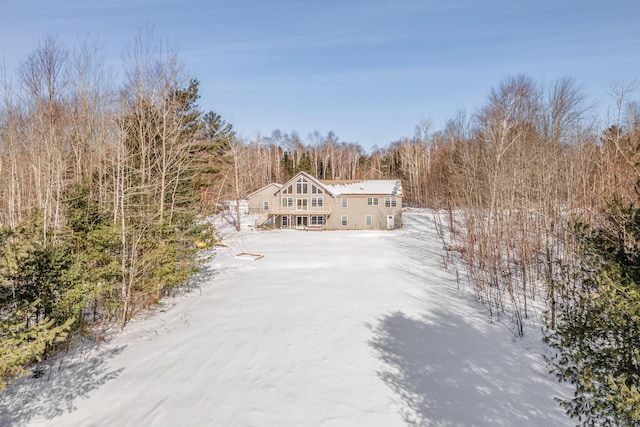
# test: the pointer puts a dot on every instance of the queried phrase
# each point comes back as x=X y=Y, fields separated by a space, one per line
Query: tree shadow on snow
x=446 y=372
x=51 y=396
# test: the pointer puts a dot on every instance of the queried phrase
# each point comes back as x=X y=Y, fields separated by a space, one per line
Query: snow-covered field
x=349 y=328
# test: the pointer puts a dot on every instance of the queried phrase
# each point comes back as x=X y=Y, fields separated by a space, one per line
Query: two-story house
x=305 y=202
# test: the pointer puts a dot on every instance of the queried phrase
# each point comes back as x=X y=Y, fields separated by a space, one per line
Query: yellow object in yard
x=201 y=245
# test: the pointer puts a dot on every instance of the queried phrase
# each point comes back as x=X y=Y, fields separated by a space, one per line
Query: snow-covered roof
x=374 y=186
x=377 y=187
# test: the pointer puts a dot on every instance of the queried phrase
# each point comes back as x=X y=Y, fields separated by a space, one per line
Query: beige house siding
x=358 y=209
x=304 y=202
x=258 y=198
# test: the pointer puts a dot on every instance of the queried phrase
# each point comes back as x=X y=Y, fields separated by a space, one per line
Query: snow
x=377 y=186
x=344 y=328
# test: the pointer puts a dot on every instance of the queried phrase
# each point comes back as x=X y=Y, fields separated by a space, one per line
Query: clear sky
x=370 y=70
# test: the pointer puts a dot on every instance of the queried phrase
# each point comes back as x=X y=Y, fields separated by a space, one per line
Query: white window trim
x=265 y=205
x=302 y=186
x=374 y=201
x=345 y=202
x=368 y=220
x=344 y=220
x=317 y=202
x=303 y=207
x=317 y=220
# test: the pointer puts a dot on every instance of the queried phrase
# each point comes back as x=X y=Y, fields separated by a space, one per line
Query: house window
x=344 y=202
x=265 y=206
x=368 y=220
x=302 y=186
x=287 y=202
x=317 y=220
x=344 y=220
x=302 y=204
x=390 y=202
x=315 y=190
x=372 y=201
x=317 y=202
x=285 y=221
x=288 y=190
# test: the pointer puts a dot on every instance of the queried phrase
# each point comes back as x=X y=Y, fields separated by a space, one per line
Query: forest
x=105 y=185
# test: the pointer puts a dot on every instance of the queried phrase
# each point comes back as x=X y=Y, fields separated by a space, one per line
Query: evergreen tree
x=209 y=160
x=597 y=338
x=287 y=165
x=24 y=341
x=95 y=247
x=218 y=133
x=305 y=164
x=37 y=297
x=156 y=215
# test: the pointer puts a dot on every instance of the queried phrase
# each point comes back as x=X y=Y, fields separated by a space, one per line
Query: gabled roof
x=309 y=177
x=377 y=187
x=374 y=187
x=275 y=189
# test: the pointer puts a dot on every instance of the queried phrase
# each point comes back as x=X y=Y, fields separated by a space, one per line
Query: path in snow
x=328 y=329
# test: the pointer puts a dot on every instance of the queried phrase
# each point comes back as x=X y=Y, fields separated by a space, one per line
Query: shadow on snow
x=445 y=372
x=51 y=397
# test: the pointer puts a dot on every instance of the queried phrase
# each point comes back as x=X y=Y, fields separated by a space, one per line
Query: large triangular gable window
x=315 y=190
x=288 y=190
x=302 y=186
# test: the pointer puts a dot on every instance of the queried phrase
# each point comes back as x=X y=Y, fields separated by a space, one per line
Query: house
x=305 y=202
x=262 y=200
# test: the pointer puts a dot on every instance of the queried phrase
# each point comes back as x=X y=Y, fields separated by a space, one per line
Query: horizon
x=369 y=71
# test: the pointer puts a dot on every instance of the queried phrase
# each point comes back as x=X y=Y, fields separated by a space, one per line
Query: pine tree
x=23 y=341
x=35 y=296
x=597 y=339
x=209 y=160
x=95 y=247
x=287 y=165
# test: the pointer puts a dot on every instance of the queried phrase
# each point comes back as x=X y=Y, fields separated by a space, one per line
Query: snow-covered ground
x=344 y=328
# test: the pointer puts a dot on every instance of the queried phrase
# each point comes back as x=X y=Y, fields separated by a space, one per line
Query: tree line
x=103 y=186
x=541 y=196
x=100 y=184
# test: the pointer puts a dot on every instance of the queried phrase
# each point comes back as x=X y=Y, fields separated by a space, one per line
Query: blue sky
x=368 y=70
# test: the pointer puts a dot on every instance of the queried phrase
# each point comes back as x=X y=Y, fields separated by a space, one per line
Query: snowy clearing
x=345 y=328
